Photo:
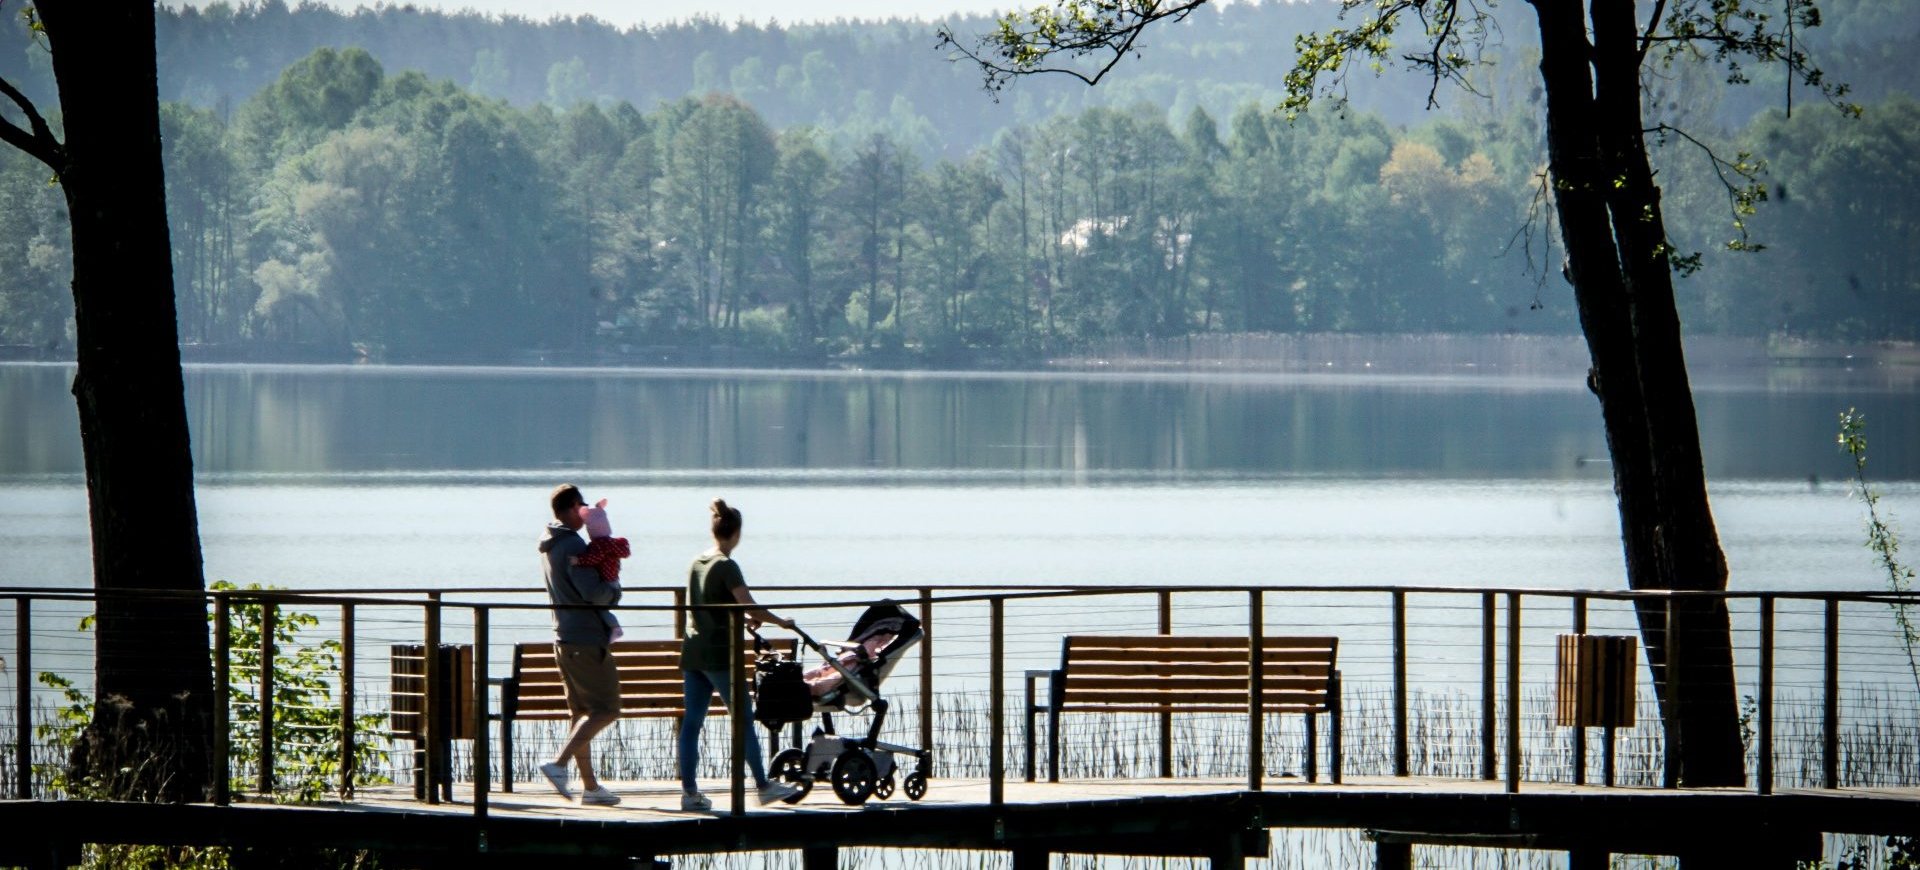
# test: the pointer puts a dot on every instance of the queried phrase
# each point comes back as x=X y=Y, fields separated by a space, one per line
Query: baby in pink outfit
x=604 y=552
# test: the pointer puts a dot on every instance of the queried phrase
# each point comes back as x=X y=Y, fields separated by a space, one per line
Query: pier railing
x=1453 y=678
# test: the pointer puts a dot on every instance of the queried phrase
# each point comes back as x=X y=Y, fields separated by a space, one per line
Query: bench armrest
x=509 y=697
x=1041 y=702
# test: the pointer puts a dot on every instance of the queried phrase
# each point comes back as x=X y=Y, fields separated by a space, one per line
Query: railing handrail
x=380 y=597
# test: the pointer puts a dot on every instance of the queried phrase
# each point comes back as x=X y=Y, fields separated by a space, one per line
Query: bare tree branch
x=1539 y=220
x=40 y=142
x=1653 y=26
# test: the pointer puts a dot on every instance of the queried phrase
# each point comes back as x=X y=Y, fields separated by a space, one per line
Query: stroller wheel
x=790 y=767
x=884 y=788
x=916 y=785
x=853 y=777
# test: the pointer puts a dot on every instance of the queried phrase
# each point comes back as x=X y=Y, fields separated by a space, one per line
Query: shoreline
x=1419 y=354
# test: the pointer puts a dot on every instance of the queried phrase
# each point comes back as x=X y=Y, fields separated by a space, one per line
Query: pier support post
x=1029 y=858
x=824 y=858
x=1392 y=856
x=1231 y=855
x=1588 y=859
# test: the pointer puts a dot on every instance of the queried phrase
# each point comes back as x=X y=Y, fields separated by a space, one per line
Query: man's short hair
x=566 y=497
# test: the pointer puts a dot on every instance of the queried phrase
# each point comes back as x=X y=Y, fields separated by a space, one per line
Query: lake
x=329 y=477
x=381 y=476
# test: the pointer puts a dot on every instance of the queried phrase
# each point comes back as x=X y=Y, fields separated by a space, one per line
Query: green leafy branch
x=1881 y=538
x=306 y=716
x=1023 y=43
x=306 y=719
x=1732 y=31
x=1741 y=177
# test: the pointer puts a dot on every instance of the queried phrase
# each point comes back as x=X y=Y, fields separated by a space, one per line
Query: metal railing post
x=736 y=708
x=23 y=698
x=1763 y=778
x=1399 y=683
x=482 y=764
x=222 y=697
x=926 y=676
x=680 y=618
x=433 y=726
x=1830 y=700
x=997 y=748
x=1489 y=719
x=1670 y=767
x=1579 y=731
x=1256 y=689
x=348 y=754
x=1166 y=716
x=1513 y=692
x=269 y=624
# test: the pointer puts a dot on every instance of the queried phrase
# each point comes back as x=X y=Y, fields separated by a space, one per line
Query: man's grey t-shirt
x=575 y=584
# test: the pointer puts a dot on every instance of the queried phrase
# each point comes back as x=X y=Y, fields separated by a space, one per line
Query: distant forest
x=410 y=185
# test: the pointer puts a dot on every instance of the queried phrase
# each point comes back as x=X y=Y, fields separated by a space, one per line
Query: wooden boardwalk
x=1215 y=819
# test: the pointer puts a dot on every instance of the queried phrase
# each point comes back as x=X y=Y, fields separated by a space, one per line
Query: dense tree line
x=343 y=207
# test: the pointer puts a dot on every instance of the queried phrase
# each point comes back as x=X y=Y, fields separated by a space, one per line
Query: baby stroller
x=849 y=682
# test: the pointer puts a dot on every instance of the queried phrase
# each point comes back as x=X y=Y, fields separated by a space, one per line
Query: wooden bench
x=651 y=685
x=1166 y=674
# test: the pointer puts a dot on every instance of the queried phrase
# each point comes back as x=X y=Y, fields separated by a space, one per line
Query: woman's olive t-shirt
x=711 y=580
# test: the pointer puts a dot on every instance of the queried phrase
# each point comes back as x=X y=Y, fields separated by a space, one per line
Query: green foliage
x=1881 y=537
x=62 y=731
x=344 y=211
x=307 y=747
x=306 y=717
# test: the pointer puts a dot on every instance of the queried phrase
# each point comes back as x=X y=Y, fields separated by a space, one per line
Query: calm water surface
x=409 y=477
x=413 y=476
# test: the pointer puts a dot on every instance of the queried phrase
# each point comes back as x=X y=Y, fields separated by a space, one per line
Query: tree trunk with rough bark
x=151 y=735
x=1611 y=224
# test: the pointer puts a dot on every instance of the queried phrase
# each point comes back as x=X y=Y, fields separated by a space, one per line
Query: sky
x=646 y=12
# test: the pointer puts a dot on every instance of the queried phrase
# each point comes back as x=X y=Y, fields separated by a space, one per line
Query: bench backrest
x=650 y=680
x=1155 y=673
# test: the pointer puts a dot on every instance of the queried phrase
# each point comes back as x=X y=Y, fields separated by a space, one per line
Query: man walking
x=582 y=631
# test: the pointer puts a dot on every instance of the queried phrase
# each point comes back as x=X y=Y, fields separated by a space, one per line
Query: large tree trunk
x=152 y=727
x=1611 y=225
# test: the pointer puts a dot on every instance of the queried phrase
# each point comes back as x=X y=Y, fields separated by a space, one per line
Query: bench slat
x=1237 y=670
x=1240 y=710
x=1192 y=700
x=628 y=673
x=1277 y=655
x=1190 y=642
x=1077 y=685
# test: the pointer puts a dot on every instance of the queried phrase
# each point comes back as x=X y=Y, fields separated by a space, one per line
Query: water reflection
x=318 y=421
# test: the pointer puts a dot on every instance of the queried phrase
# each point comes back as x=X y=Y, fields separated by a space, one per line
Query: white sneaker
x=556 y=774
x=775 y=792
x=599 y=796
x=694 y=802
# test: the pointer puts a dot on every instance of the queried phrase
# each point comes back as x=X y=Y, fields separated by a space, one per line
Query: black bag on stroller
x=779 y=691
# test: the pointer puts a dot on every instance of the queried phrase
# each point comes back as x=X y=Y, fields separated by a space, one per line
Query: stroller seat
x=879 y=638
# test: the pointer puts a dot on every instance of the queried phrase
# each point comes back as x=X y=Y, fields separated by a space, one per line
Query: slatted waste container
x=451 y=706
x=1594 y=685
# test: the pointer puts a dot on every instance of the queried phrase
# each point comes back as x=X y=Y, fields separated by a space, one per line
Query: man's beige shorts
x=592 y=682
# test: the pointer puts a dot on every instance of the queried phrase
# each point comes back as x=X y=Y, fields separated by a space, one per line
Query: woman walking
x=715 y=578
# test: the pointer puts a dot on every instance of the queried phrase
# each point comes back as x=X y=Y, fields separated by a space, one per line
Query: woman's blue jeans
x=700 y=687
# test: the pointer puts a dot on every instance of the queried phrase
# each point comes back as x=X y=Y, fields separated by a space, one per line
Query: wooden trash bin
x=451 y=708
x=1594 y=686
